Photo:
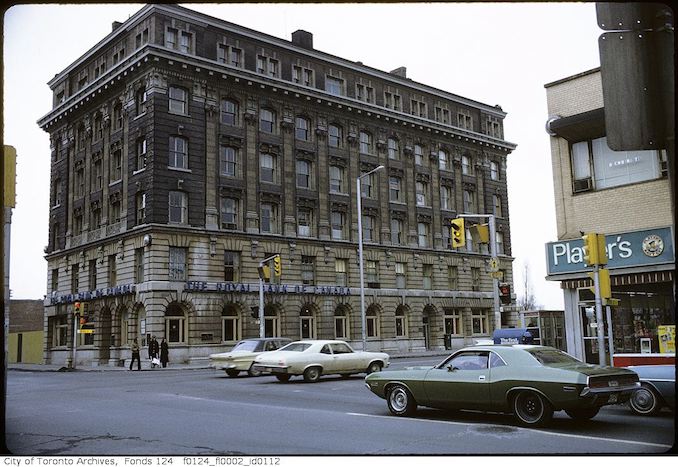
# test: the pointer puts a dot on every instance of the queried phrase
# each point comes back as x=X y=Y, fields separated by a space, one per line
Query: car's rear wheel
x=374 y=367
x=283 y=378
x=232 y=373
x=531 y=408
x=583 y=414
x=346 y=375
x=645 y=401
x=400 y=401
x=312 y=374
x=252 y=371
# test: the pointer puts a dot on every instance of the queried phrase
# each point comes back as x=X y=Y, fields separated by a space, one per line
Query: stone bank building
x=186 y=149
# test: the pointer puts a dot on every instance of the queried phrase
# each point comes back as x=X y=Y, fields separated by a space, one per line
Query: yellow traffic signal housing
x=277 y=266
x=265 y=273
x=594 y=249
x=458 y=232
x=482 y=232
x=603 y=282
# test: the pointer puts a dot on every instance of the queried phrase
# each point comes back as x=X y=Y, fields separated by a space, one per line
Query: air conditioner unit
x=664 y=167
x=583 y=184
x=229 y=226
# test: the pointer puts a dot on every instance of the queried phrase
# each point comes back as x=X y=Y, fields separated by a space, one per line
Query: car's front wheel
x=374 y=367
x=531 y=408
x=312 y=374
x=583 y=414
x=400 y=401
x=645 y=401
x=283 y=378
x=232 y=373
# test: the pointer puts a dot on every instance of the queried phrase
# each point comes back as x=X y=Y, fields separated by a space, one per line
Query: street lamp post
x=360 y=253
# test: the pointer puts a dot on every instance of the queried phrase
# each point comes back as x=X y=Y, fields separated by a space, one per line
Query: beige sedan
x=313 y=358
x=242 y=355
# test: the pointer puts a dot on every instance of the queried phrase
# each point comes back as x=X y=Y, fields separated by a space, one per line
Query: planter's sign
x=201 y=286
x=94 y=294
x=629 y=249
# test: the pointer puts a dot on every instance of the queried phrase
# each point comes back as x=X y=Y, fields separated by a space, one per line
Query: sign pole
x=599 y=316
x=262 y=323
x=610 y=341
x=76 y=318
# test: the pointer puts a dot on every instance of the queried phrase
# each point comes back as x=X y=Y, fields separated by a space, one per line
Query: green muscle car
x=528 y=380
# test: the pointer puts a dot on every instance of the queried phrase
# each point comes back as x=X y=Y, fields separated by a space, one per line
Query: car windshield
x=552 y=357
x=296 y=347
x=245 y=346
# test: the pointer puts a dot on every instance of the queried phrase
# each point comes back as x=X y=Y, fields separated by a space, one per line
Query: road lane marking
x=565 y=435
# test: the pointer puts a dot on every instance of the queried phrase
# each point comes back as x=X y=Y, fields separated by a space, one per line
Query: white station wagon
x=313 y=358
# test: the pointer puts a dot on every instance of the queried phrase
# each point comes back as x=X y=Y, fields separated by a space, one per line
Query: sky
x=494 y=53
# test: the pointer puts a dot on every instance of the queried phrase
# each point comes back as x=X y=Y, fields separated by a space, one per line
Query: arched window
x=230 y=323
x=341 y=322
x=175 y=323
x=372 y=322
x=401 y=327
x=307 y=322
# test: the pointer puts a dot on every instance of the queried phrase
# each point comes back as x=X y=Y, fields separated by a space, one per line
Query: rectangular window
x=444 y=160
x=222 y=53
x=466 y=165
x=114 y=211
x=269 y=218
x=305 y=222
x=178 y=100
x=303 y=174
x=177 y=207
x=301 y=75
x=177 y=264
x=452 y=322
x=427 y=276
x=341 y=272
x=185 y=42
x=479 y=321
x=228 y=158
x=229 y=213
x=229 y=112
x=59 y=331
x=235 y=57
x=453 y=277
x=268 y=168
x=365 y=143
x=401 y=275
x=366 y=184
x=446 y=197
x=141 y=153
x=171 y=38
x=423 y=234
x=422 y=193
x=500 y=243
x=337 y=179
x=141 y=208
x=178 y=152
x=394 y=185
x=92 y=274
x=496 y=204
x=334 y=136
x=396 y=231
x=308 y=270
x=475 y=279
x=231 y=266
x=372 y=273
x=112 y=271
x=139 y=265
x=116 y=165
x=469 y=204
x=334 y=86
x=80 y=183
x=338 y=220
x=75 y=278
x=418 y=155
x=368 y=228
x=266 y=121
x=494 y=171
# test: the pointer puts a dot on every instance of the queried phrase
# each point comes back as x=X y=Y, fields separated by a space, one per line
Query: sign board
x=85 y=331
x=624 y=250
x=667 y=338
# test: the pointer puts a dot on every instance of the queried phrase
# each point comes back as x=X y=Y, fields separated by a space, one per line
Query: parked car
x=528 y=380
x=657 y=389
x=242 y=355
x=313 y=358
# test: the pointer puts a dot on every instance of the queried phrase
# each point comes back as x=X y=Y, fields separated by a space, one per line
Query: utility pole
x=265 y=276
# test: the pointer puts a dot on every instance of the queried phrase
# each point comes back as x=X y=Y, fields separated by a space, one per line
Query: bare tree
x=527 y=301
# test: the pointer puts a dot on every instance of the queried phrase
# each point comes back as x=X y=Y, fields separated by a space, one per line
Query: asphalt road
x=203 y=412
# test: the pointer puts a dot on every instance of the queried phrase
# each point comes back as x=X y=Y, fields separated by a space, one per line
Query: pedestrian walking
x=153 y=351
x=164 y=353
x=135 y=355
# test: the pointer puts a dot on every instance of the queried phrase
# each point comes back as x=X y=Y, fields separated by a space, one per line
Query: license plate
x=613 y=398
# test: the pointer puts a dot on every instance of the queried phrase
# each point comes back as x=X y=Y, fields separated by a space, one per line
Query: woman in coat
x=164 y=353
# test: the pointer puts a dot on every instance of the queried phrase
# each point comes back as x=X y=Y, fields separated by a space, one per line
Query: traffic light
x=277 y=266
x=458 y=231
x=265 y=273
x=505 y=293
x=594 y=249
x=482 y=233
x=603 y=283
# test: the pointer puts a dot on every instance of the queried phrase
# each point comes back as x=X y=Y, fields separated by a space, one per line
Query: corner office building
x=186 y=149
x=625 y=195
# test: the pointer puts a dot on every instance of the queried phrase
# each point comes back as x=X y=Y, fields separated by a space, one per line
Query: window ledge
x=179 y=169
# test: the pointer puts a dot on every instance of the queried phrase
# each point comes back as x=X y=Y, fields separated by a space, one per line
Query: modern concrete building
x=624 y=195
x=186 y=149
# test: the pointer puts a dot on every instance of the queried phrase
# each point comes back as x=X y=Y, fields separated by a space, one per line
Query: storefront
x=641 y=265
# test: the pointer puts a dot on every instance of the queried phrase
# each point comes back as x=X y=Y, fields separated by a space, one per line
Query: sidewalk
x=198 y=364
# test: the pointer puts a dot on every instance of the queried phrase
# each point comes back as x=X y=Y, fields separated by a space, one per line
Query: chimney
x=116 y=25
x=402 y=72
x=302 y=39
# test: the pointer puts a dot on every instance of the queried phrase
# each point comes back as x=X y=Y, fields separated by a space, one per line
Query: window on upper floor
x=418 y=154
x=140 y=99
x=140 y=201
x=177 y=264
x=178 y=207
x=267 y=120
x=395 y=190
x=178 y=152
x=141 y=153
x=397 y=236
x=466 y=165
x=401 y=275
x=268 y=222
x=446 y=201
x=267 y=66
x=305 y=222
x=80 y=182
x=301 y=129
x=98 y=128
x=304 y=172
x=364 y=93
x=496 y=205
x=442 y=115
x=369 y=228
x=464 y=120
x=444 y=160
x=418 y=108
x=117 y=116
x=116 y=166
x=229 y=55
x=422 y=193
x=392 y=101
x=469 y=202
x=178 y=100
x=393 y=148
x=229 y=213
x=231 y=266
x=595 y=166
x=337 y=179
x=141 y=38
x=268 y=168
x=229 y=112
x=494 y=170
x=367 y=186
x=228 y=161
x=365 y=143
x=303 y=76
x=185 y=42
x=499 y=236
x=334 y=136
x=97 y=174
x=423 y=234
x=338 y=225
x=493 y=126
x=334 y=85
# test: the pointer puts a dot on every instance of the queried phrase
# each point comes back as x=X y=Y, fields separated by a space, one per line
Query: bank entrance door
x=590 y=332
x=427 y=333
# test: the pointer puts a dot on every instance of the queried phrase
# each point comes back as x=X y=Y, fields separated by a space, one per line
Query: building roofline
x=261 y=36
x=573 y=77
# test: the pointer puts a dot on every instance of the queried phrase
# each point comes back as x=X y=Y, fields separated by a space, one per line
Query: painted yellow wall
x=31 y=351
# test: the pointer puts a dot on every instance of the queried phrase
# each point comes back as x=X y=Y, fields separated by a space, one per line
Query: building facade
x=186 y=149
x=624 y=195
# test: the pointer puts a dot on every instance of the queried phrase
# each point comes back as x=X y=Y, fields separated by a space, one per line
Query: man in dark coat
x=164 y=353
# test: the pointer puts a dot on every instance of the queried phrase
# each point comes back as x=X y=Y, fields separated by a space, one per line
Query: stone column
x=251 y=154
x=211 y=161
